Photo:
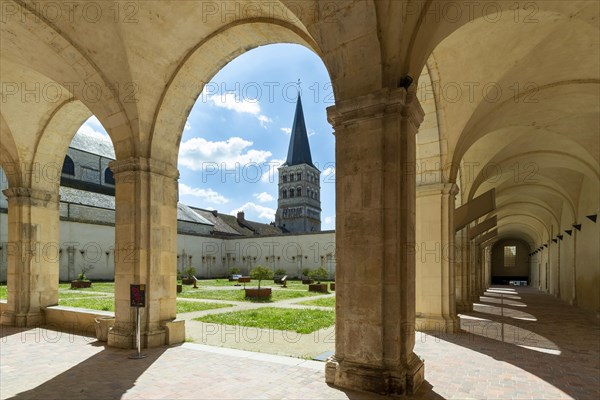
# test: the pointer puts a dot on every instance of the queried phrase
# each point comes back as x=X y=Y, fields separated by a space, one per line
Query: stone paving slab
x=552 y=352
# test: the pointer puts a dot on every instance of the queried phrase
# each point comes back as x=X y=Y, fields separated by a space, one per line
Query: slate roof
x=226 y=224
x=220 y=226
x=83 y=197
x=299 y=149
x=94 y=145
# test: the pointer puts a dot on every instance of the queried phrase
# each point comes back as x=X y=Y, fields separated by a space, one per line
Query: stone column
x=475 y=258
x=375 y=234
x=462 y=273
x=146 y=250
x=33 y=254
x=436 y=292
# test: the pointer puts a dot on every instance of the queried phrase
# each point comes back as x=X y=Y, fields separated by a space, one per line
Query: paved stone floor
x=516 y=344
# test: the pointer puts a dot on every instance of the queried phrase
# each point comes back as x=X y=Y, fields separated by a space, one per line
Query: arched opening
x=68 y=167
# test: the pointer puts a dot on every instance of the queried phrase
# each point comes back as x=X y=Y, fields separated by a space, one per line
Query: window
x=298 y=192
x=109 y=178
x=284 y=193
x=291 y=193
x=284 y=178
x=510 y=256
x=68 y=167
x=291 y=177
x=299 y=176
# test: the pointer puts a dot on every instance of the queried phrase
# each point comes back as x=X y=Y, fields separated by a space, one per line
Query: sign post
x=137 y=294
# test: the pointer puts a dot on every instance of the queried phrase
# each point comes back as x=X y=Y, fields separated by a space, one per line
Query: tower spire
x=299 y=149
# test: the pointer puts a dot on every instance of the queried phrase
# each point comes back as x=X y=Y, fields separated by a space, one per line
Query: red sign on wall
x=137 y=295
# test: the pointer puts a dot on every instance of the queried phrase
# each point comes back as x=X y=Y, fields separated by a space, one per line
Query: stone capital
x=375 y=105
x=450 y=189
x=31 y=197
x=143 y=164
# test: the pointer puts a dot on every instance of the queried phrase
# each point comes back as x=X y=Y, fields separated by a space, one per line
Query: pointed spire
x=299 y=150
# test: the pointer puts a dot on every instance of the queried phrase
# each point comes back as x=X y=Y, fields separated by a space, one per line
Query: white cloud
x=311 y=132
x=263 y=197
x=93 y=128
x=207 y=195
x=328 y=173
x=187 y=126
x=270 y=171
x=264 y=120
x=198 y=153
x=256 y=211
x=287 y=131
x=328 y=223
x=231 y=101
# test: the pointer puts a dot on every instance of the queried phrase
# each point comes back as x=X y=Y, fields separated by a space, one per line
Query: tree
x=260 y=272
x=319 y=274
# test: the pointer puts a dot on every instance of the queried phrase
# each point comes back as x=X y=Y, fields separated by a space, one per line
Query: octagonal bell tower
x=299 y=200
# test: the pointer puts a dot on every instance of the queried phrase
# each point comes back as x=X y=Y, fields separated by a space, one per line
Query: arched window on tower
x=284 y=177
x=284 y=193
x=298 y=192
x=68 y=167
x=291 y=192
x=109 y=178
x=299 y=176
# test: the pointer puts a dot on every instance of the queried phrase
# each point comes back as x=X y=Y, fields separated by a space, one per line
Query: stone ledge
x=82 y=320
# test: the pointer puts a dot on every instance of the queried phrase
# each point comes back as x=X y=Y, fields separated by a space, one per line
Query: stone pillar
x=436 y=292
x=462 y=273
x=33 y=255
x=146 y=248
x=375 y=234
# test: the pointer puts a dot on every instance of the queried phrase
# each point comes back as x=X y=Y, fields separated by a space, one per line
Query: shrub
x=234 y=271
x=305 y=272
x=319 y=274
x=280 y=272
x=260 y=272
x=189 y=272
x=84 y=270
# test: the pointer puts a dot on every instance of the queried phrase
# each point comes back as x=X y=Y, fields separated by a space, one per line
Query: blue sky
x=238 y=132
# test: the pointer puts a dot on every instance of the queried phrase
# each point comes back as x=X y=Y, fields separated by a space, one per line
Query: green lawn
x=190 y=306
x=239 y=295
x=107 y=303
x=301 y=321
x=104 y=287
x=254 y=283
x=71 y=294
x=3 y=291
x=324 y=302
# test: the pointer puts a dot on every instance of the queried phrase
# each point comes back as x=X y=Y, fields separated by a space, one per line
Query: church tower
x=299 y=202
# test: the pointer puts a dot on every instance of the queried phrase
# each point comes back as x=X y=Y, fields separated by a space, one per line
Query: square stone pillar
x=435 y=252
x=463 y=272
x=475 y=269
x=375 y=234
x=32 y=251
x=145 y=248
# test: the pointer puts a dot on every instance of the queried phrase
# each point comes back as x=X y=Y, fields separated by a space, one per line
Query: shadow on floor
x=557 y=342
x=82 y=380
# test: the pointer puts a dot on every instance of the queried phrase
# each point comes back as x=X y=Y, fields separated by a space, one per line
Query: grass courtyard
x=238 y=313
x=285 y=319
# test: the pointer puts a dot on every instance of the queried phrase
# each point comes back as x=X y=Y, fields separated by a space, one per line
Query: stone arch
x=195 y=71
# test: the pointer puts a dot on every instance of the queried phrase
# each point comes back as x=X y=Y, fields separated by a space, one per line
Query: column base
x=123 y=337
x=438 y=323
x=462 y=308
x=27 y=320
x=367 y=378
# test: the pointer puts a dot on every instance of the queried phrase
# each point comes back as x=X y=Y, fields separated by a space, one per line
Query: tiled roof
x=93 y=144
x=76 y=196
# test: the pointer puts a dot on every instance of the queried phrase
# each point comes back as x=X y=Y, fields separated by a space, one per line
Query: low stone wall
x=72 y=319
